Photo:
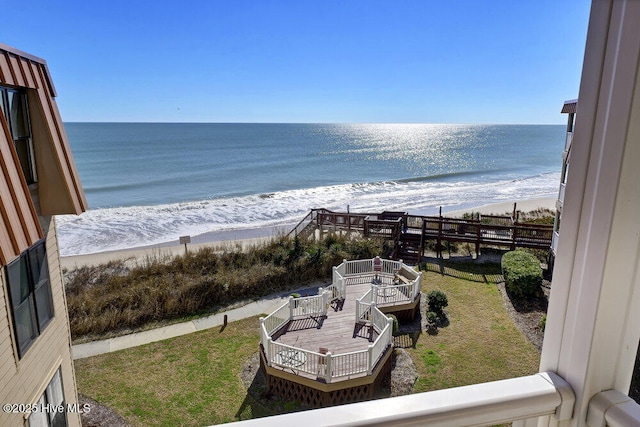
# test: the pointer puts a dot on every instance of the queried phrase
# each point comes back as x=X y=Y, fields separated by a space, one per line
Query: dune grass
x=112 y=297
x=195 y=379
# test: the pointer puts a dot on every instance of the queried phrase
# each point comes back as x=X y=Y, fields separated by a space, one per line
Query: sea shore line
x=246 y=238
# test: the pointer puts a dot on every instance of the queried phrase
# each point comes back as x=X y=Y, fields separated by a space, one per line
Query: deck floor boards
x=337 y=332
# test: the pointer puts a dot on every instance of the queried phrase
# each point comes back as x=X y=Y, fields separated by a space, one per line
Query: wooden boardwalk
x=338 y=332
x=411 y=232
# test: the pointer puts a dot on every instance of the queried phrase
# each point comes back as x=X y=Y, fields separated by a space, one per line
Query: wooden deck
x=338 y=332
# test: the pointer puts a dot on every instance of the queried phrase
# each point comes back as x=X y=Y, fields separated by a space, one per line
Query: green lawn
x=194 y=379
x=481 y=342
x=190 y=380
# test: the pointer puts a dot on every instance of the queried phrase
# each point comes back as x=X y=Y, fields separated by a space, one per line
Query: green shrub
x=437 y=301
x=522 y=273
x=432 y=319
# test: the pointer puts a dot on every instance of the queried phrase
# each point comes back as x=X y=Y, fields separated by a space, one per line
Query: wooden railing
x=304 y=222
x=483 y=230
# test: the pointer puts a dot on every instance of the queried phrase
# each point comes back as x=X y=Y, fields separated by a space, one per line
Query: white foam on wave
x=120 y=228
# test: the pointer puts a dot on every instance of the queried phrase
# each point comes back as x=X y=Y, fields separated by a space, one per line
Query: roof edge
x=33 y=58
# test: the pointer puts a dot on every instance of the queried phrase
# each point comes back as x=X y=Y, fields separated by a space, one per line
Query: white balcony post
x=267 y=350
x=291 y=304
x=390 y=335
x=369 y=359
x=329 y=369
x=592 y=331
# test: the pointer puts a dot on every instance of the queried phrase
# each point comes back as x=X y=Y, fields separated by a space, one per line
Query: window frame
x=46 y=399
x=38 y=297
x=30 y=175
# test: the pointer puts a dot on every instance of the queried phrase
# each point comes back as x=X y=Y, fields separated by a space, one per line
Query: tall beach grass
x=115 y=297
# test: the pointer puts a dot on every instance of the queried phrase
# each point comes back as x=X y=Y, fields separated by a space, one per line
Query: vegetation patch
x=112 y=297
x=196 y=379
x=481 y=342
x=522 y=273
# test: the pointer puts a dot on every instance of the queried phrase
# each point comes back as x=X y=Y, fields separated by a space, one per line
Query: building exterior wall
x=27 y=206
x=24 y=380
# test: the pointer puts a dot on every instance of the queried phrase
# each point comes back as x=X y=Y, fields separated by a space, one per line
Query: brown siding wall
x=20 y=228
x=24 y=380
x=58 y=186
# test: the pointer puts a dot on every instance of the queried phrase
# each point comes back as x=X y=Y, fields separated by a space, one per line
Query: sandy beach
x=231 y=239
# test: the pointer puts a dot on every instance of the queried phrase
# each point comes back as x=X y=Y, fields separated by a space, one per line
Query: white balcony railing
x=563 y=187
x=554 y=242
x=479 y=404
x=568 y=141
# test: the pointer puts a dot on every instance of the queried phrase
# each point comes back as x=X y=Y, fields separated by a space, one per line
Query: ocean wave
x=125 y=227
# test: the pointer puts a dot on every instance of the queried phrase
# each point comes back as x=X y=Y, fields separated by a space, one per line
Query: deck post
x=390 y=324
x=291 y=303
x=369 y=359
x=329 y=369
x=439 y=240
x=479 y=235
x=325 y=300
x=267 y=351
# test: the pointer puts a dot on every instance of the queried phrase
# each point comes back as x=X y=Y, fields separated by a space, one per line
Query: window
x=16 y=111
x=52 y=396
x=30 y=294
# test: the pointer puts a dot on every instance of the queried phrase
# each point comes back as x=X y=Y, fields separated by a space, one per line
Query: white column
x=593 y=323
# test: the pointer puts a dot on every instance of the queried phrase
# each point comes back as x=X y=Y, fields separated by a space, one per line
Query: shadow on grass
x=258 y=402
x=528 y=304
x=471 y=271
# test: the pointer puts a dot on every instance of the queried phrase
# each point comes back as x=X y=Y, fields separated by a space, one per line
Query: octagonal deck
x=338 y=332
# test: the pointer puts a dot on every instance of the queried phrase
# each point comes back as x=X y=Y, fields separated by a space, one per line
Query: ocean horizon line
x=312 y=123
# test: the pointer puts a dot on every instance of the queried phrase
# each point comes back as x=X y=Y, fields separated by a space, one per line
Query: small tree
x=437 y=301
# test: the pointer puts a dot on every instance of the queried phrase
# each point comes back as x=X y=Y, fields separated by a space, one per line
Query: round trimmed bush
x=522 y=273
x=437 y=301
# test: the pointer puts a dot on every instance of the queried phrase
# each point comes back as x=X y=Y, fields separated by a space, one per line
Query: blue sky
x=307 y=61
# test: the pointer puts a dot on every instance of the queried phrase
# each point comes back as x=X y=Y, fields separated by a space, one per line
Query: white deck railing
x=277 y=319
x=309 y=306
x=330 y=366
x=377 y=349
x=347 y=364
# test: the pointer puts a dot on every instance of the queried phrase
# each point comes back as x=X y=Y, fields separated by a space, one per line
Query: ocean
x=149 y=183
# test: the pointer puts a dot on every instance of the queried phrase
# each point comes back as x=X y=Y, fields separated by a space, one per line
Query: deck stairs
x=308 y=230
x=410 y=248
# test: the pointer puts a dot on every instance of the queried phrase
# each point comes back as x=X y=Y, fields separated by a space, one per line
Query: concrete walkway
x=265 y=305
